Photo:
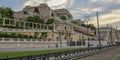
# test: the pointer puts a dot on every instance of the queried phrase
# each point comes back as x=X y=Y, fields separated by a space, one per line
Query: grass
x=26 y=53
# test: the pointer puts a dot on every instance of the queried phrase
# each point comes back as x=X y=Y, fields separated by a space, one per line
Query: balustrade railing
x=26 y=40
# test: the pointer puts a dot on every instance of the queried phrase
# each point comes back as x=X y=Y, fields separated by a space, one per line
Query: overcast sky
x=109 y=10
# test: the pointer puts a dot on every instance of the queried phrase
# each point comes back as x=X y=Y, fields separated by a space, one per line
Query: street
x=36 y=49
x=113 y=54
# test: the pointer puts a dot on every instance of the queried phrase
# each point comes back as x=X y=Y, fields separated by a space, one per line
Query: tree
x=50 y=21
x=91 y=26
x=6 y=12
x=36 y=34
x=83 y=25
x=63 y=18
x=44 y=35
x=75 y=22
x=35 y=18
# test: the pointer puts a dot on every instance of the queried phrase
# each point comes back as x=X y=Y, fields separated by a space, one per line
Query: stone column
x=40 y=26
x=3 y=22
x=15 y=23
x=43 y=26
x=54 y=27
x=32 y=25
x=24 y=24
x=19 y=23
x=9 y=22
x=36 y=25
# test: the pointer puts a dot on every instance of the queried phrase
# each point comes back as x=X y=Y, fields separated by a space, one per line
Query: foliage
x=1 y=21
x=44 y=35
x=50 y=21
x=6 y=12
x=14 y=35
x=35 y=18
x=91 y=26
x=83 y=25
x=74 y=22
x=36 y=34
x=26 y=53
x=63 y=18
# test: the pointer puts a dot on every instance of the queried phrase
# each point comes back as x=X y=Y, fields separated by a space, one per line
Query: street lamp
x=111 y=35
x=108 y=35
x=117 y=32
x=87 y=29
x=98 y=30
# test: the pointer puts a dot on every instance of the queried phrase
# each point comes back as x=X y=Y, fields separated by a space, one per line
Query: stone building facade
x=43 y=11
x=63 y=12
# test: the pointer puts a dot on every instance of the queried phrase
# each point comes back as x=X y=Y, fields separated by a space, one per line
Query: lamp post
x=108 y=35
x=98 y=30
x=87 y=29
x=111 y=35
x=117 y=32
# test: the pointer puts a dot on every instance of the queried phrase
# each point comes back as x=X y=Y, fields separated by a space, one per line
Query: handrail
x=65 y=55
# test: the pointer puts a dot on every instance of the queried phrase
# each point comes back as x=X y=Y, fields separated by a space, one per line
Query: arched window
x=52 y=14
x=36 y=10
x=25 y=12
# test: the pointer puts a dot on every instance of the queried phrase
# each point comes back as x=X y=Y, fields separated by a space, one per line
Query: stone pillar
x=15 y=23
x=36 y=25
x=32 y=25
x=9 y=22
x=43 y=26
x=19 y=23
x=40 y=26
x=54 y=27
x=3 y=22
x=24 y=24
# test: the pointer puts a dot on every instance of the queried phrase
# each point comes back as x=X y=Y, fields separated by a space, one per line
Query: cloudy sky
x=109 y=10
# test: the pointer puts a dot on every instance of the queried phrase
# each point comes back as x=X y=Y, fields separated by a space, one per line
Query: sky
x=109 y=10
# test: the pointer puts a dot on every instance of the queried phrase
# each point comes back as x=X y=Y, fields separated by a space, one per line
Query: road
x=35 y=48
x=113 y=54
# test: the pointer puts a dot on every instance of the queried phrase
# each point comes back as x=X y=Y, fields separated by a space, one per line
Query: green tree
x=83 y=25
x=36 y=34
x=44 y=35
x=63 y=18
x=6 y=12
x=50 y=21
x=75 y=22
x=35 y=18
x=91 y=26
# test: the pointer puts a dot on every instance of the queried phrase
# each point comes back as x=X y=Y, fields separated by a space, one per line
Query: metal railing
x=62 y=55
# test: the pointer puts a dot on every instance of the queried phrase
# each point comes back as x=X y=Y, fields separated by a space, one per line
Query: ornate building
x=22 y=33
x=63 y=12
x=42 y=11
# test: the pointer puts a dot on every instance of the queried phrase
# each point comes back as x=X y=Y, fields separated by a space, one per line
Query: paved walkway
x=113 y=54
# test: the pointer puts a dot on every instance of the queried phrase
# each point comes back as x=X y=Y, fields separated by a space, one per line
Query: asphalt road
x=113 y=54
x=35 y=49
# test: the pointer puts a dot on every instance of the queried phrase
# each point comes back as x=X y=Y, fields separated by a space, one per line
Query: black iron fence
x=61 y=55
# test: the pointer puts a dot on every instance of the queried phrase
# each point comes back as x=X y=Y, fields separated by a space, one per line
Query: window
x=36 y=10
x=25 y=12
x=52 y=14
